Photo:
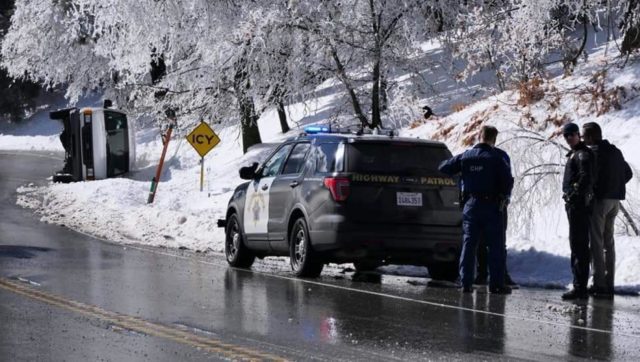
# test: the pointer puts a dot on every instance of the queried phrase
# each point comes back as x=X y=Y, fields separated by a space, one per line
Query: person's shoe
x=603 y=294
x=467 y=289
x=607 y=296
x=510 y=283
x=500 y=290
x=480 y=281
x=574 y=294
x=600 y=293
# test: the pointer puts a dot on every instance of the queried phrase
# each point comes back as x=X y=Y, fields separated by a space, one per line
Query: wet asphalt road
x=67 y=296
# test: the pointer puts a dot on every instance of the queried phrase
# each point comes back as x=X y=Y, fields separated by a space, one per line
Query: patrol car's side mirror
x=248 y=172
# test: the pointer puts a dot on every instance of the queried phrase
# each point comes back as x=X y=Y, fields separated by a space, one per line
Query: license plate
x=409 y=198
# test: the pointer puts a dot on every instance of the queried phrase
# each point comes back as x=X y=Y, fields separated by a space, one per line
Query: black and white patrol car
x=370 y=200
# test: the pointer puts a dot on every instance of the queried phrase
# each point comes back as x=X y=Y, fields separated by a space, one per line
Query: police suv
x=332 y=197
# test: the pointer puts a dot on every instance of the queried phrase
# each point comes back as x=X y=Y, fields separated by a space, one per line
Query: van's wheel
x=62 y=178
x=304 y=261
x=443 y=271
x=238 y=255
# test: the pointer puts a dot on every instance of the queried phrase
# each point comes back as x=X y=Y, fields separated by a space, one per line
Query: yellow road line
x=140 y=325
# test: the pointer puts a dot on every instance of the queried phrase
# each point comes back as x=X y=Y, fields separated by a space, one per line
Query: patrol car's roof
x=338 y=137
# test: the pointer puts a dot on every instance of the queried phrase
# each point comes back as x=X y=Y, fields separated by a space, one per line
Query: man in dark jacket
x=487 y=180
x=577 y=188
x=613 y=172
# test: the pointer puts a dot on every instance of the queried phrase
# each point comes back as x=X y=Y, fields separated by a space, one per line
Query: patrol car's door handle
x=294 y=184
x=265 y=187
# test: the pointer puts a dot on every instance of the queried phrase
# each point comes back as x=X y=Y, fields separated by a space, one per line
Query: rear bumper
x=398 y=244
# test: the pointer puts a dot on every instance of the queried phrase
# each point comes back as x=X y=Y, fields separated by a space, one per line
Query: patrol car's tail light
x=339 y=187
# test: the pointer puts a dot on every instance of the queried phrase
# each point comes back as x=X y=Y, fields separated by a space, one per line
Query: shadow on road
x=20 y=252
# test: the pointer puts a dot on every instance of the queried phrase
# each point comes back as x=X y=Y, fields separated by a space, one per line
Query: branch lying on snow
x=628 y=220
x=534 y=136
x=526 y=172
x=539 y=171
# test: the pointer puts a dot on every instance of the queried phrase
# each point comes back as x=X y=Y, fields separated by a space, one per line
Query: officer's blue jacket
x=505 y=156
x=484 y=170
x=507 y=159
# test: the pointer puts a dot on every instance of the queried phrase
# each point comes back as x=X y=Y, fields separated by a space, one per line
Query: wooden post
x=156 y=180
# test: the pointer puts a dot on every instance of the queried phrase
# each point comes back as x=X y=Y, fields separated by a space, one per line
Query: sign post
x=201 y=173
x=203 y=139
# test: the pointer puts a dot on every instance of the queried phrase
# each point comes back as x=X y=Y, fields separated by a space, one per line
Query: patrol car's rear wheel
x=304 y=261
x=234 y=249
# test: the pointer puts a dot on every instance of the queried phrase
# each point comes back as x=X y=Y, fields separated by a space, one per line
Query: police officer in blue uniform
x=482 y=271
x=487 y=180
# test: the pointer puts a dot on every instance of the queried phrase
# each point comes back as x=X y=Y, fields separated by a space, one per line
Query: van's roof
x=93 y=109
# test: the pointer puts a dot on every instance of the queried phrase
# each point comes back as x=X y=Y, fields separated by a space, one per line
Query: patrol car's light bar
x=339 y=187
x=316 y=129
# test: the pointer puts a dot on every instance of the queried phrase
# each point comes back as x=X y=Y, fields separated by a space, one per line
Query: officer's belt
x=485 y=197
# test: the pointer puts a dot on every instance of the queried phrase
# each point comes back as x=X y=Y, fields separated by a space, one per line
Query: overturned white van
x=99 y=143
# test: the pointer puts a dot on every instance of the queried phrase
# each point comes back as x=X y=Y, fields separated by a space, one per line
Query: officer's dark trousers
x=483 y=254
x=482 y=219
x=579 y=243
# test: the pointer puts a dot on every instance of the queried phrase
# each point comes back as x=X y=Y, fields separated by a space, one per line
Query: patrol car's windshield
x=395 y=158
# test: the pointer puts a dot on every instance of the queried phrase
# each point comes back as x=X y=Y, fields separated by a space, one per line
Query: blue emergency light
x=316 y=129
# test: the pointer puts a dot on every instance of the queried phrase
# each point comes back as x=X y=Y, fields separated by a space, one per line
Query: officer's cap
x=570 y=128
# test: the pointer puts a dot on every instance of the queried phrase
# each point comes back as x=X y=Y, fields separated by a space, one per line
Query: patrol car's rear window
x=395 y=158
x=329 y=157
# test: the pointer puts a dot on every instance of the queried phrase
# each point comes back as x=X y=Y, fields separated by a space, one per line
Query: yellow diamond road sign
x=203 y=139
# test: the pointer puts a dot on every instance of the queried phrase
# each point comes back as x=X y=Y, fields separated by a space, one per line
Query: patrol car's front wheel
x=234 y=249
x=304 y=262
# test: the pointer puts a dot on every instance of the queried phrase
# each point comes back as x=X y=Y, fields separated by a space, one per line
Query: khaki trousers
x=602 y=244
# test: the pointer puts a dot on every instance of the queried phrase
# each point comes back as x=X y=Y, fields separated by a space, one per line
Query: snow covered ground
x=182 y=216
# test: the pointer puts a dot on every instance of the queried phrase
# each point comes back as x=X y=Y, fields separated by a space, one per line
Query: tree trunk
x=377 y=55
x=246 y=107
x=249 y=124
x=282 y=115
x=375 y=95
x=342 y=75
x=631 y=39
x=384 y=96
